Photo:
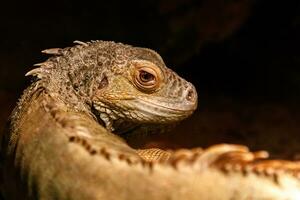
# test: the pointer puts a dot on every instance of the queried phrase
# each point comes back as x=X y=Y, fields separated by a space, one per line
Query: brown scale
x=83 y=143
x=153 y=154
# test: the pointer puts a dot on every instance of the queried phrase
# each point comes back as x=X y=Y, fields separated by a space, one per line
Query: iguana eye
x=147 y=78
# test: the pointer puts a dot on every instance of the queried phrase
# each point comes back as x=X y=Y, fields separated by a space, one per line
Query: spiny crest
x=41 y=71
x=109 y=53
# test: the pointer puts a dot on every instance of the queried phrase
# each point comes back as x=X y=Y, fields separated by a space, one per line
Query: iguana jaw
x=140 y=110
x=166 y=111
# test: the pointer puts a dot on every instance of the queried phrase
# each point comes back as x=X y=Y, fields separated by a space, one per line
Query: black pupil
x=146 y=77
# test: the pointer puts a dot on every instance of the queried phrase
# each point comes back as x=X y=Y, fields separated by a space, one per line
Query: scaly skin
x=62 y=141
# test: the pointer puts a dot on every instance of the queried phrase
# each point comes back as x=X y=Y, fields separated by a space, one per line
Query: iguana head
x=124 y=84
x=140 y=88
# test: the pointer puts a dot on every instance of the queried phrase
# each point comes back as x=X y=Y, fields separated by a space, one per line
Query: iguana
x=64 y=140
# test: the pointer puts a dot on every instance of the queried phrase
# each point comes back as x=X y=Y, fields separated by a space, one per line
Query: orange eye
x=147 y=78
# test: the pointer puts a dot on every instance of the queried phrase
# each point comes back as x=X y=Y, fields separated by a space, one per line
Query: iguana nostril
x=190 y=95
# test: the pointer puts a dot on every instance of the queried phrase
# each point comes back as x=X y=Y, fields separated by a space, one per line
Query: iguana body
x=60 y=143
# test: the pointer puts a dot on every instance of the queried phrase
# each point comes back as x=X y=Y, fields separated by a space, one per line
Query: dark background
x=242 y=56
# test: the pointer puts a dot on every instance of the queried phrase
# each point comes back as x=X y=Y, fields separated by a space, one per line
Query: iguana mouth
x=163 y=112
x=184 y=108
